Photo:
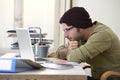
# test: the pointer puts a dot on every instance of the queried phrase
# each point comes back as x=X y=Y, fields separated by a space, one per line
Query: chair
x=106 y=74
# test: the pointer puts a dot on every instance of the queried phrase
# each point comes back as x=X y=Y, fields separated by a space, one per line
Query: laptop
x=27 y=53
x=25 y=46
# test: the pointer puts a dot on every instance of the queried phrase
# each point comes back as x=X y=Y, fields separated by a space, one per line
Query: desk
x=76 y=73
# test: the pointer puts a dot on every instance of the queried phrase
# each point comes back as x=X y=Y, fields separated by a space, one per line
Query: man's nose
x=65 y=35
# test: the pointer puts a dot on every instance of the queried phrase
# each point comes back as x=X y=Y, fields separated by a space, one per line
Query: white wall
x=105 y=11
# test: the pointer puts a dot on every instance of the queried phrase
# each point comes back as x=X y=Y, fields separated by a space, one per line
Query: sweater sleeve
x=96 y=44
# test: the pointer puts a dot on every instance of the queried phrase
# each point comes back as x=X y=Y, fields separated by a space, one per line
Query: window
x=40 y=13
x=32 y=13
x=6 y=21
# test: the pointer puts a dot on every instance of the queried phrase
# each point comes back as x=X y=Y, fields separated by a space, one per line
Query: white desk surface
x=75 y=73
x=76 y=70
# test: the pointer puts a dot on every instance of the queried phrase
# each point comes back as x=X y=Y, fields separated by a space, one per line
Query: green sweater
x=101 y=51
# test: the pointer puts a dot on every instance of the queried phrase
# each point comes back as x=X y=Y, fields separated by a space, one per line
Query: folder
x=13 y=65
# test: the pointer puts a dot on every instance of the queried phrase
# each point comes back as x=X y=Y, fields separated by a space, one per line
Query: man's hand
x=70 y=46
x=73 y=45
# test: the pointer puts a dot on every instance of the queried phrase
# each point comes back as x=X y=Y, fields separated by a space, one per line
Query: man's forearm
x=62 y=52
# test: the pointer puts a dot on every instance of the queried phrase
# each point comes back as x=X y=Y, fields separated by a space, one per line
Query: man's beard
x=75 y=39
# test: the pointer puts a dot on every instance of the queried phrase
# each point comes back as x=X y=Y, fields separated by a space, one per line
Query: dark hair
x=77 y=17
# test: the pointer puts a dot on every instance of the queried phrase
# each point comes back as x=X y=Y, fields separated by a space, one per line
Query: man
x=94 y=43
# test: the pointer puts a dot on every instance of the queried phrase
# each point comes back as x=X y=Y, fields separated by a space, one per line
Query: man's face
x=71 y=33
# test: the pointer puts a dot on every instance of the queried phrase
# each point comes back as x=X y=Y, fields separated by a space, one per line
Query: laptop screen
x=25 y=46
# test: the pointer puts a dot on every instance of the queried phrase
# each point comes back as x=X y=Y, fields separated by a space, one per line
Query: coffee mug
x=42 y=51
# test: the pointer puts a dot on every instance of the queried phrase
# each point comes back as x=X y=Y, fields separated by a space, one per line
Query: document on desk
x=59 y=64
x=6 y=64
x=64 y=62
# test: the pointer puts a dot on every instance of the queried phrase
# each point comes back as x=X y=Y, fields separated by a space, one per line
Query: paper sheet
x=5 y=64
